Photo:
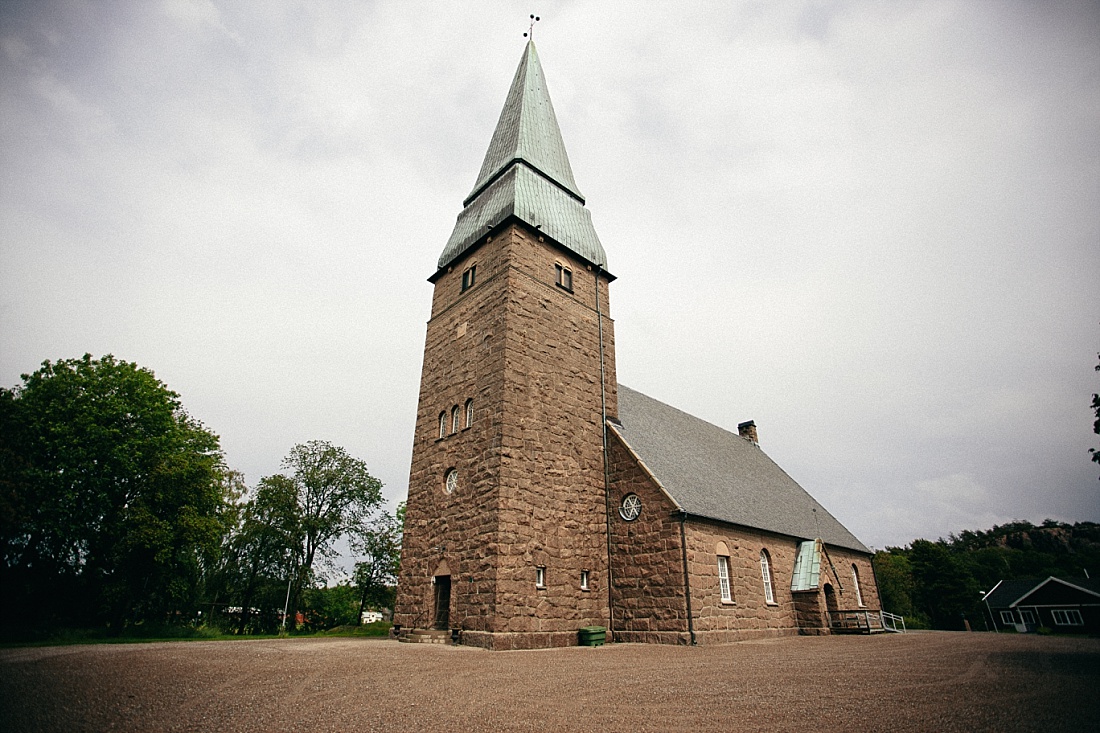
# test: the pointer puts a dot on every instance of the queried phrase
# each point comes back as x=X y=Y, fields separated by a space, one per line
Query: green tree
x=379 y=544
x=115 y=498
x=261 y=553
x=335 y=496
x=1096 y=423
x=943 y=589
x=895 y=584
x=328 y=607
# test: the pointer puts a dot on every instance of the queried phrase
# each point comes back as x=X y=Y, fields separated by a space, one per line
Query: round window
x=630 y=508
x=451 y=482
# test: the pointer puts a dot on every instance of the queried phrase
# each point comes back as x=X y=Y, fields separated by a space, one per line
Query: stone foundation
x=512 y=641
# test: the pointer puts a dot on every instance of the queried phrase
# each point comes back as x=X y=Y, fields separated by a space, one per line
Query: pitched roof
x=713 y=473
x=526 y=174
x=1008 y=593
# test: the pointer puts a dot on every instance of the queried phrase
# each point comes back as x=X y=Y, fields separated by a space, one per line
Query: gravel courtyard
x=929 y=681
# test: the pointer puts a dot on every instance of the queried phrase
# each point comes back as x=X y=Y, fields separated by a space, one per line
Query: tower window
x=565 y=277
x=468 y=278
x=469 y=412
x=442 y=424
x=454 y=419
x=584 y=580
x=540 y=576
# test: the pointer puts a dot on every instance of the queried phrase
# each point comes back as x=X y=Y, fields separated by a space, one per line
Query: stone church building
x=543 y=495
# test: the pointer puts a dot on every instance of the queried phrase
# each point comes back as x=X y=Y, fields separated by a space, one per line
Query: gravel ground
x=930 y=681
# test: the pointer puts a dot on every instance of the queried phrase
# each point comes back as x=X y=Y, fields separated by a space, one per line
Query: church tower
x=506 y=530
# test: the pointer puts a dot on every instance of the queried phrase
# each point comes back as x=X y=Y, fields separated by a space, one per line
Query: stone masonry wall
x=551 y=478
x=530 y=489
x=647 y=560
x=749 y=615
x=647 y=565
x=463 y=359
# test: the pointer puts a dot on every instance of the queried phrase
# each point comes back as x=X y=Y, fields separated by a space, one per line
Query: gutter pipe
x=687 y=578
x=606 y=464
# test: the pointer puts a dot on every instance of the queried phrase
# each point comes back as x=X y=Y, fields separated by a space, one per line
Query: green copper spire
x=526 y=174
x=528 y=131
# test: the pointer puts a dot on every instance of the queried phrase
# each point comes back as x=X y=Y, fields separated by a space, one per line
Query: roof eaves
x=1076 y=587
x=534 y=229
x=1055 y=580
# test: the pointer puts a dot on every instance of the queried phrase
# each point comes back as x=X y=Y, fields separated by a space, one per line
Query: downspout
x=606 y=464
x=687 y=580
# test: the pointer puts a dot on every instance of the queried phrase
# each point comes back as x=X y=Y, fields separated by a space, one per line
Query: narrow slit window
x=540 y=577
x=584 y=580
x=442 y=424
x=855 y=584
x=469 y=412
x=454 y=419
x=468 y=278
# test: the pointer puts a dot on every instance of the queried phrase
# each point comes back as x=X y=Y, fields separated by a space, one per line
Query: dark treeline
x=118 y=513
x=940 y=584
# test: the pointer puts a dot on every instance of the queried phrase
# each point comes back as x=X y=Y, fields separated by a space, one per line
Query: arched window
x=442 y=424
x=454 y=419
x=724 y=579
x=766 y=574
x=469 y=412
x=855 y=584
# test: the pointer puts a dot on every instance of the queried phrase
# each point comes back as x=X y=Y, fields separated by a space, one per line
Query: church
x=545 y=497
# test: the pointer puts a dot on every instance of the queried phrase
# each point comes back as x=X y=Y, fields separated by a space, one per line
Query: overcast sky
x=873 y=228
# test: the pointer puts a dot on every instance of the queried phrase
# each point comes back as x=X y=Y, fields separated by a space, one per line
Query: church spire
x=527 y=132
x=526 y=174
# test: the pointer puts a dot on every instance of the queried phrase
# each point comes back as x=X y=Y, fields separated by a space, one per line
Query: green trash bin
x=592 y=635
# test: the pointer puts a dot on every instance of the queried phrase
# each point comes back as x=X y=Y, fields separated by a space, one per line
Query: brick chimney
x=747 y=430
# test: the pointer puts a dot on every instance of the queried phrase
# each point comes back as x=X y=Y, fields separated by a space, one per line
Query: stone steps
x=425 y=636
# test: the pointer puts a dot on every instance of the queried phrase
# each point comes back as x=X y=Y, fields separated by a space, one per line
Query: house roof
x=526 y=174
x=1008 y=593
x=713 y=473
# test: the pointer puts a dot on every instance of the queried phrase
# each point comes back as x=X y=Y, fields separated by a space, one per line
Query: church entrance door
x=442 y=601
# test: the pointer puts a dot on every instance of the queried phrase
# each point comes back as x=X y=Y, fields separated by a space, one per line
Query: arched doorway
x=830 y=604
x=442 y=584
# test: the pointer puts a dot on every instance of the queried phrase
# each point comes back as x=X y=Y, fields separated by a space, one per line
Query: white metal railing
x=865 y=621
x=890 y=622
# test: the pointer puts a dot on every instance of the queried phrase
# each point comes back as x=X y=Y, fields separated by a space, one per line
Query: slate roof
x=1008 y=592
x=713 y=473
x=526 y=174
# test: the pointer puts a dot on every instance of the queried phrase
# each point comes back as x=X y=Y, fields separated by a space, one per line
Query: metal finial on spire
x=531 y=30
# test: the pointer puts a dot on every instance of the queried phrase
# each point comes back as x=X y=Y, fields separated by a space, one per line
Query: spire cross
x=531 y=30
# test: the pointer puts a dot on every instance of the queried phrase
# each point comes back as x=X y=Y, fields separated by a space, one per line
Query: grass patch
x=141 y=634
x=378 y=628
